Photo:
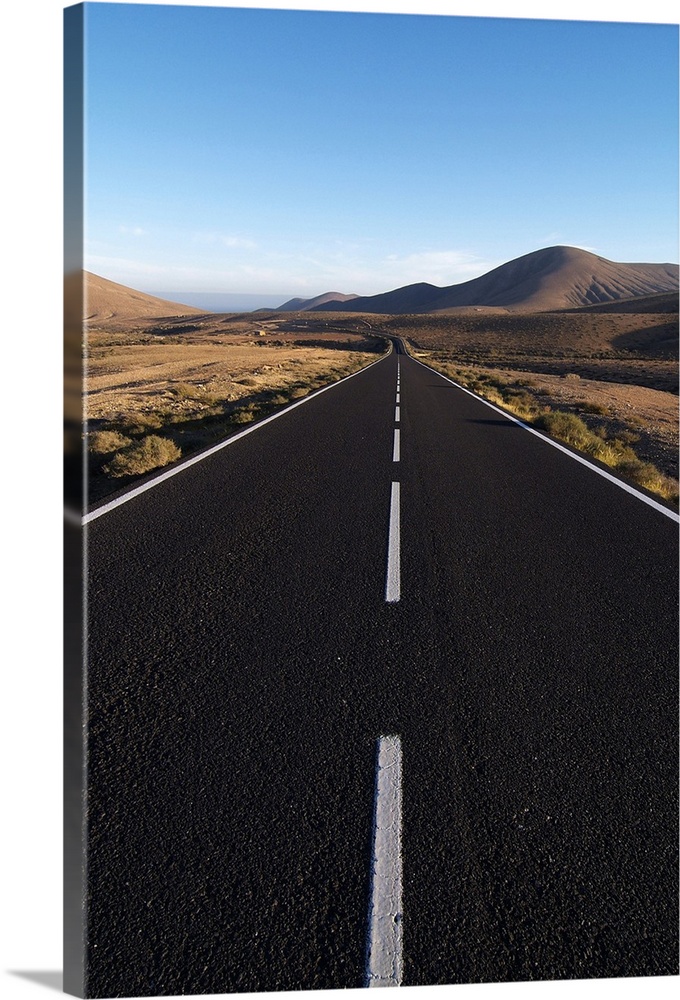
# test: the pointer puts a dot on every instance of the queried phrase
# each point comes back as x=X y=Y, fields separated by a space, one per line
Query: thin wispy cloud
x=202 y=277
x=228 y=240
x=438 y=267
x=462 y=157
x=126 y=268
x=369 y=272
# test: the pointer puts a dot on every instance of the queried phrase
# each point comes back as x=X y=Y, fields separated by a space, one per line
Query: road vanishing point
x=383 y=692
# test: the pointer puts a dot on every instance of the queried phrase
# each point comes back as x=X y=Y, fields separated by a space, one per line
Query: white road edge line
x=555 y=444
x=395 y=453
x=384 y=951
x=393 y=582
x=99 y=511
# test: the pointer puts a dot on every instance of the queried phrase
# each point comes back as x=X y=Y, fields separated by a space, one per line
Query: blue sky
x=279 y=152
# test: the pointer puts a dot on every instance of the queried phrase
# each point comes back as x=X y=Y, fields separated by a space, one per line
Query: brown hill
x=553 y=278
x=105 y=300
x=304 y=305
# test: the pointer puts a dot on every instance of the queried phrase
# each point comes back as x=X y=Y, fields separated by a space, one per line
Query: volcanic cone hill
x=305 y=305
x=554 y=278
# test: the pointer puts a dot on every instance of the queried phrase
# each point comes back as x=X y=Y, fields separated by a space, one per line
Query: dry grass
x=107 y=442
x=191 y=390
x=197 y=379
x=608 y=440
x=635 y=345
x=150 y=453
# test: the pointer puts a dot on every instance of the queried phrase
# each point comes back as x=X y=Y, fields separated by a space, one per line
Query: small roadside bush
x=567 y=427
x=184 y=390
x=243 y=416
x=520 y=398
x=106 y=442
x=140 y=423
x=151 y=452
x=648 y=476
x=597 y=408
x=614 y=452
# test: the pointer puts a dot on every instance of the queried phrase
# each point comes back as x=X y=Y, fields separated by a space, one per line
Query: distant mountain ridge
x=559 y=277
x=305 y=305
x=554 y=278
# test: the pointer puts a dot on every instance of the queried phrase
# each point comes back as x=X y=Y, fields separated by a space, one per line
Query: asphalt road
x=244 y=661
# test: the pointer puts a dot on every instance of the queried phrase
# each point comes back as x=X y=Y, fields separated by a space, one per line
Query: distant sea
x=220 y=302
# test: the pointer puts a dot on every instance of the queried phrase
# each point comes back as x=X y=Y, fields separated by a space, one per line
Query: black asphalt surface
x=243 y=662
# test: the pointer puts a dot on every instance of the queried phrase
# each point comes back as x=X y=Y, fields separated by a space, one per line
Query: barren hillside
x=554 y=278
x=304 y=305
x=106 y=300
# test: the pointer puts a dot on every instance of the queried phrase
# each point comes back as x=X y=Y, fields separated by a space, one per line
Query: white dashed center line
x=395 y=453
x=384 y=963
x=396 y=415
x=393 y=583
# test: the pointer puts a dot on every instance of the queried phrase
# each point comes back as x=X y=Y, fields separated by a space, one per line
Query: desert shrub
x=140 y=423
x=647 y=475
x=493 y=395
x=243 y=416
x=106 y=442
x=643 y=473
x=567 y=427
x=614 y=452
x=184 y=390
x=622 y=452
x=520 y=398
x=597 y=408
x=152 y=452
x=572 y=430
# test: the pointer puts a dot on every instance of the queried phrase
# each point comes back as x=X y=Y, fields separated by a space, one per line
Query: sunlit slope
x=554 y=278
x=107 y=300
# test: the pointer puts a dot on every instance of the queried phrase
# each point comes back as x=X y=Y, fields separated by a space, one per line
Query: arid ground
x=158 y=389
x=617 y=370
